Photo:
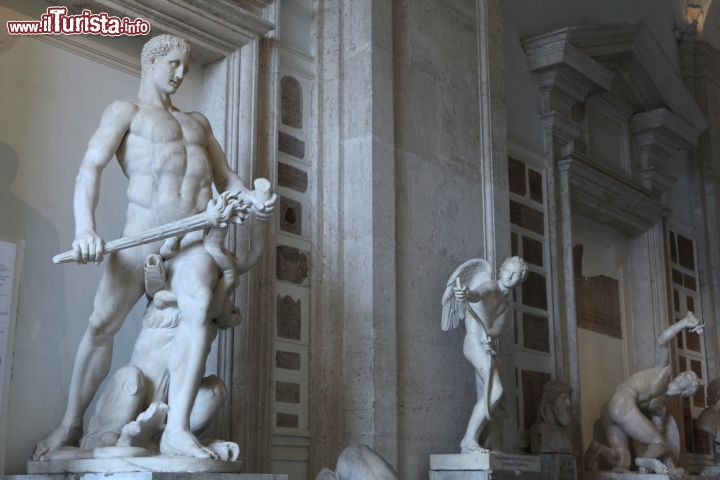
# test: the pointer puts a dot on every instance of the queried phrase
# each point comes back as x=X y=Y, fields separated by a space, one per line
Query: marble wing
x=453 y=310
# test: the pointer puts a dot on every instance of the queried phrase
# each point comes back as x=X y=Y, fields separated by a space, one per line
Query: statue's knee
x=215 y=387
x=131 y=379
x=102 y=327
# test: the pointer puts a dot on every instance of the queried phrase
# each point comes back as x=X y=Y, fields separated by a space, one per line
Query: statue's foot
x=652 y=464
x=228 y=451
x=470 y=445
x=62 y=436
x=183 y=443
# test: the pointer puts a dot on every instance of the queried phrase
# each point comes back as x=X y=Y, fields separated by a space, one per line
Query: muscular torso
x=645 y=389
x=165 y=158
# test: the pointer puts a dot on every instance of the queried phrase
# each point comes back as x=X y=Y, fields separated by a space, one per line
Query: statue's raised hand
x=262 y=200
x=87 y=247
x=459 y=291
x=694 y=323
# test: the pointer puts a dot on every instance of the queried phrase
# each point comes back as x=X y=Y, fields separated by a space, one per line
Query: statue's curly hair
x=159 y=46
x=523 y=267
x=713 y=392
x=551 y=391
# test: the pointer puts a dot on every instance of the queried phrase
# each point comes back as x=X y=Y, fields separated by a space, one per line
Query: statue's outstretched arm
x=114 y=124
x=662 y=350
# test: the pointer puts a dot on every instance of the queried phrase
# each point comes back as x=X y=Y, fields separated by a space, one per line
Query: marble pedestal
x=558 y=466
x=625 y=476
x=160 y=467
x=148 y=476
x=485 y=466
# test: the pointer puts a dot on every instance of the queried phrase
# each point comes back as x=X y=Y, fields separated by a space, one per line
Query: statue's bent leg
x=193 y=280
x=617 y=453
x=481 y=361
x=478 y=419
x=120 y=287
x=639 y=427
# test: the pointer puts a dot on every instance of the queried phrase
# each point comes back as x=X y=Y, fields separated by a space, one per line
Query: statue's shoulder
x=202 y=119
x=121 y=110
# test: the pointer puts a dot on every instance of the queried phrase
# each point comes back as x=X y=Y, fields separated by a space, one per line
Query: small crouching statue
x=637 y=412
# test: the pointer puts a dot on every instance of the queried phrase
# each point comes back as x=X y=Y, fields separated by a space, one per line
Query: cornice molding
x=664 y=129
x=220 y=26
x=627 y=50
x=610 y=197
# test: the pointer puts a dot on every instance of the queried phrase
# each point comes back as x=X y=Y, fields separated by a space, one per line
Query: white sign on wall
x=10 y=262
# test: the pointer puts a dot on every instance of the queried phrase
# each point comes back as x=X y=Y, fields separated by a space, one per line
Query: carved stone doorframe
x=572 y=66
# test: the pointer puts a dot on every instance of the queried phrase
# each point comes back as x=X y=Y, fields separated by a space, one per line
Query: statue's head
x=555 y=407
x=684 y=385
x=166 y=59
x=513 y=271
x=713 y=392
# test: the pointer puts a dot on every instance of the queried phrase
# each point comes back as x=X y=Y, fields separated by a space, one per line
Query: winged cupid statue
x=483 y=304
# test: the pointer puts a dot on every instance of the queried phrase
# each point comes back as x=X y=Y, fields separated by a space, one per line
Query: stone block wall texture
x=439 y=224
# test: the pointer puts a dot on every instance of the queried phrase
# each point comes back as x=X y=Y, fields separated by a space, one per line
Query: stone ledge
x=148 y=476
x=154 y=464
x=485 y=461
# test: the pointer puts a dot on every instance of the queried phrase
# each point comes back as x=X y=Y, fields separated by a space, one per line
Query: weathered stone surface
x=287 y=360
x=291 y=98
x=292 y=177
x=150 y=476
x=292 y=264
x=485 y=461
x=287 y=420
x=287 y=392
x=122 y=466
x=486 y=475
x=289 y=317
x=291 y=145
x=290 y=216
x=558 y=466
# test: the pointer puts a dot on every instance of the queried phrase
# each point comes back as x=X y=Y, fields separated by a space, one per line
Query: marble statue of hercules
x=637 y=408
x=487 y=307
x=171 y=160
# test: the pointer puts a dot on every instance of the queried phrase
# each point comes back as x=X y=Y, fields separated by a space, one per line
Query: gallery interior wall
x=396 y=188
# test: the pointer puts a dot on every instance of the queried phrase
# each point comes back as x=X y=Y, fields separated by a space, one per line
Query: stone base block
x=558 y=466
x=485 y=466
x=148 y=476
x=158 y=463
x=625 y=476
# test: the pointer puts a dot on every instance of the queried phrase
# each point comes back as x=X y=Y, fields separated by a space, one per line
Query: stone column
x=368 y=230
x=565 y=77
x=357 y=254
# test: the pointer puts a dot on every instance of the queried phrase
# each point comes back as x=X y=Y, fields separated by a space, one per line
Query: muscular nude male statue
x=171 y=160
x=637 y=408
x=484 y=305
